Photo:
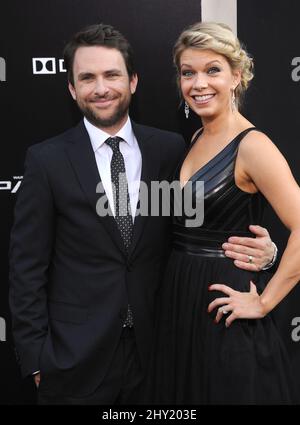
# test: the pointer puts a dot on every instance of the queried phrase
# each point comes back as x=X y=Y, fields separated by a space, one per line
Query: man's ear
x=72 y=90
x=133 y=83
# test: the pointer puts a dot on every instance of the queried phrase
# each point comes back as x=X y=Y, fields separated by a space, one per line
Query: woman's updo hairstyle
x=219 y=38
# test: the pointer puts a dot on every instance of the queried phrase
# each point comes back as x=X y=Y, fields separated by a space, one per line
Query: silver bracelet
x=272 y=262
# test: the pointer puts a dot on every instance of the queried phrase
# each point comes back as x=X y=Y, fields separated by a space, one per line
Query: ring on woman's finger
x=224 y=311
x=250 y=259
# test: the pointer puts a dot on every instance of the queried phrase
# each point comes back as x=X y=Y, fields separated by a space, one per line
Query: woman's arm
x=266 y=169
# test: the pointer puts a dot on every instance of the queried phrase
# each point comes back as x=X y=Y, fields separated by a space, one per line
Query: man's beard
x=116 y=117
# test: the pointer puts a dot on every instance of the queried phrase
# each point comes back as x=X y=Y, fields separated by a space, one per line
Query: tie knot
x=113 y=143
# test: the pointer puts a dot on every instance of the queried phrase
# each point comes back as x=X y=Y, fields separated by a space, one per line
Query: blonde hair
x=219 y=38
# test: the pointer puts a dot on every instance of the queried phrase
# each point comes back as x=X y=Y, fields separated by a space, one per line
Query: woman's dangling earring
x=233 y=105
x=186 y=110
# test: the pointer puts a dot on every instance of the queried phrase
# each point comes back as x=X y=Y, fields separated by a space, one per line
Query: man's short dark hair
x=98 y=35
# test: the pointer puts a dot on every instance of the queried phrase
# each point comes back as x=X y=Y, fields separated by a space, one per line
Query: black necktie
x=123 y=215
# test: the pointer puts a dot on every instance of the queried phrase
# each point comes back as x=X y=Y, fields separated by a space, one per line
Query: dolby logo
x=47 y=66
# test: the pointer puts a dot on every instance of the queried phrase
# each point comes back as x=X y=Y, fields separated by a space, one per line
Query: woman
x=216 y=340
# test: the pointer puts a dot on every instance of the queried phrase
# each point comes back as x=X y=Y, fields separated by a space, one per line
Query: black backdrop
x=270 y=30
x=36 y=106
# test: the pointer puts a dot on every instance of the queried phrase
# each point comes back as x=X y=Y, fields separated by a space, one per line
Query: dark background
x=34 y=107
x=271 y=32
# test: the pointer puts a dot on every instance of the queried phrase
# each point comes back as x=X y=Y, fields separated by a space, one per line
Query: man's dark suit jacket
x=71 y=280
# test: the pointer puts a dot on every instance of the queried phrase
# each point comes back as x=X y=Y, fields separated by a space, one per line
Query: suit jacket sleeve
x=30 y=255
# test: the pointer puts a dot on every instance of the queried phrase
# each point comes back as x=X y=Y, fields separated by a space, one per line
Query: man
x=83 y=285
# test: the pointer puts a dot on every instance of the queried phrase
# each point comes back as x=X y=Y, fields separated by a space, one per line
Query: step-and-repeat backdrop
x=271 y=32
x=35 y=104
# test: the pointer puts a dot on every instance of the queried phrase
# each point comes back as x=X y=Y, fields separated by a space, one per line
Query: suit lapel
x=82 y=158
x=150 y=169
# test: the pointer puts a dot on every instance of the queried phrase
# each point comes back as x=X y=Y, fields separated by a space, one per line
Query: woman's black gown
x=196 y=361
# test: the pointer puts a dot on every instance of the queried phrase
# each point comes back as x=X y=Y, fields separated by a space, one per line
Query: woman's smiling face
x=207 y=81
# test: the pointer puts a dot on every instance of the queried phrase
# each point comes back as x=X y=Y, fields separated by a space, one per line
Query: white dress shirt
x=132 y=158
